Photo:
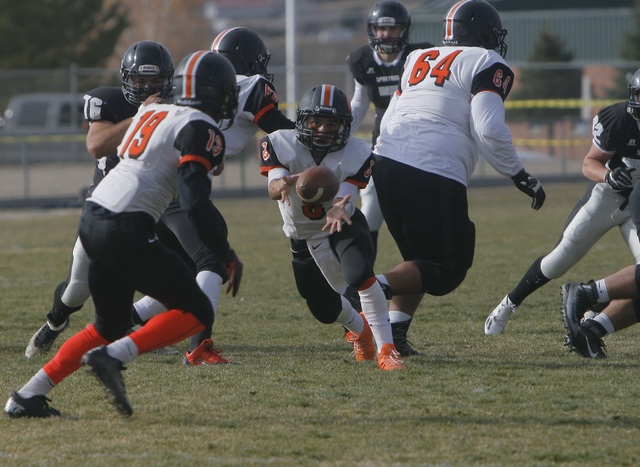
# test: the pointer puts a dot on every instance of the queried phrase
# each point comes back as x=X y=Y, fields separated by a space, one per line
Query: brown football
x=317 y=185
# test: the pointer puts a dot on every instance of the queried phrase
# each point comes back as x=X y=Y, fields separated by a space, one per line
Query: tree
x=548 y=83
x=57 y=33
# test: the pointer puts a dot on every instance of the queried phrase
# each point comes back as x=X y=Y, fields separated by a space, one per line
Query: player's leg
x=69 y=296
x=594 y=215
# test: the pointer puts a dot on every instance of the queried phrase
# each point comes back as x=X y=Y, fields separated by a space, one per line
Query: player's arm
x=493 y=137
x=594 y=164
x=202 y=148
x=104 y=136
x=273 y=120
x=360 y=103
x=279 y=180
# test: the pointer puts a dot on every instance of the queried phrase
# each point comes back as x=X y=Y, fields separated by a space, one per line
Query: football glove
x=530 y=186
x=620 y=179
x=234 y=267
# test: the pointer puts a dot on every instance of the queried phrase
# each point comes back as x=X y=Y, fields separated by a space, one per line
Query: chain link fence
x=50 y=166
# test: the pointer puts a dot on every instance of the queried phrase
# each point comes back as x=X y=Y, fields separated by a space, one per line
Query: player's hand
x=234 y=267
x=620 y=178
x=530 y=186
x=338 y=214
x=153 y=99
x=288 y=183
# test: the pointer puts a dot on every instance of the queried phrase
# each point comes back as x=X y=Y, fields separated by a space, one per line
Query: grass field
x=296 y=397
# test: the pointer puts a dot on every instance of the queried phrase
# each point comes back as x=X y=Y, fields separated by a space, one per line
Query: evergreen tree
x=57 y=33
x=548 y=83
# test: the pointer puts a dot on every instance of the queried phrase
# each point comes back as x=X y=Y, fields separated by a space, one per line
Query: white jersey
x=160 y=137
x=257 y=96
x=281 y=150
x=443 y=116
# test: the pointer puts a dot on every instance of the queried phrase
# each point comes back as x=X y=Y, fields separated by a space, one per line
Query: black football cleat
x=108 y=370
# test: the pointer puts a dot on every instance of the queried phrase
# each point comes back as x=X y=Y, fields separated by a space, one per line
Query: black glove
x=620 y=179
x=233 y=266
x=531 y=187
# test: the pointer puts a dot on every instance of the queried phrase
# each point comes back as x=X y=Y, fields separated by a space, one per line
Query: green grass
x=296 y=397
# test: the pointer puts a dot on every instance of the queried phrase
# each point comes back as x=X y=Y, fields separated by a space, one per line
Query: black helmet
x=474 y=23
x=324 y=100
x=146 y=58
x=388 y=13
x=633 y=107
x=207 y=81
x=245 y=50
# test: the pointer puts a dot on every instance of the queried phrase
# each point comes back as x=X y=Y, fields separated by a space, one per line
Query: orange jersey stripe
x=199 y=159
x=262 y=111
x=356 y=183
x=265 y=170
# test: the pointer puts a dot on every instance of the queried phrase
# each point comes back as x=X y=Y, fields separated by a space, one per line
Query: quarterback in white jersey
x=168 y=149
x=282 y=155
x=448 y=109
x=330 y=242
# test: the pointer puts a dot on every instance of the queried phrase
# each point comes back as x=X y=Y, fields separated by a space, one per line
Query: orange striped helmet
x=207 y=81
x=474 y=23
x=324 y=100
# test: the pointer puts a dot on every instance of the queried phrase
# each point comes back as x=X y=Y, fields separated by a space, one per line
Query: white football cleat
x=499 y=317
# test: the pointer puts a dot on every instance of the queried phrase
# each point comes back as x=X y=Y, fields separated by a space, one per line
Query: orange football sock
x=67 y=359
x=165 y=329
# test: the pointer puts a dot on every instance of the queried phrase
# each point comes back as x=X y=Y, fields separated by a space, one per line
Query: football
x=317 y=185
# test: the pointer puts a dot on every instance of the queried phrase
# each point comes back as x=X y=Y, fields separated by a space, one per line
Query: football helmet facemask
x=474 y=23
x=388 y=13
x=324 y=100
x=245 y=50
x=207 y=81
x=633 y=107
x=146 y=59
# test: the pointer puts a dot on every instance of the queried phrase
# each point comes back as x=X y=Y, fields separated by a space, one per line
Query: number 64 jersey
x=159 y=139
x=449 y=100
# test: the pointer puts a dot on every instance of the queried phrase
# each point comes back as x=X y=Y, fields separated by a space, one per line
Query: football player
x=147 y=77
x=618 y=293
x=449 y=108
x=611 y=163
x=330 y=242
x=376 y=70
x=168 y=150
x=257 y=110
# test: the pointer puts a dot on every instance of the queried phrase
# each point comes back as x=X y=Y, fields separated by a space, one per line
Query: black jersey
x=615 y=130
x=107 y=103
x=381 y=81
